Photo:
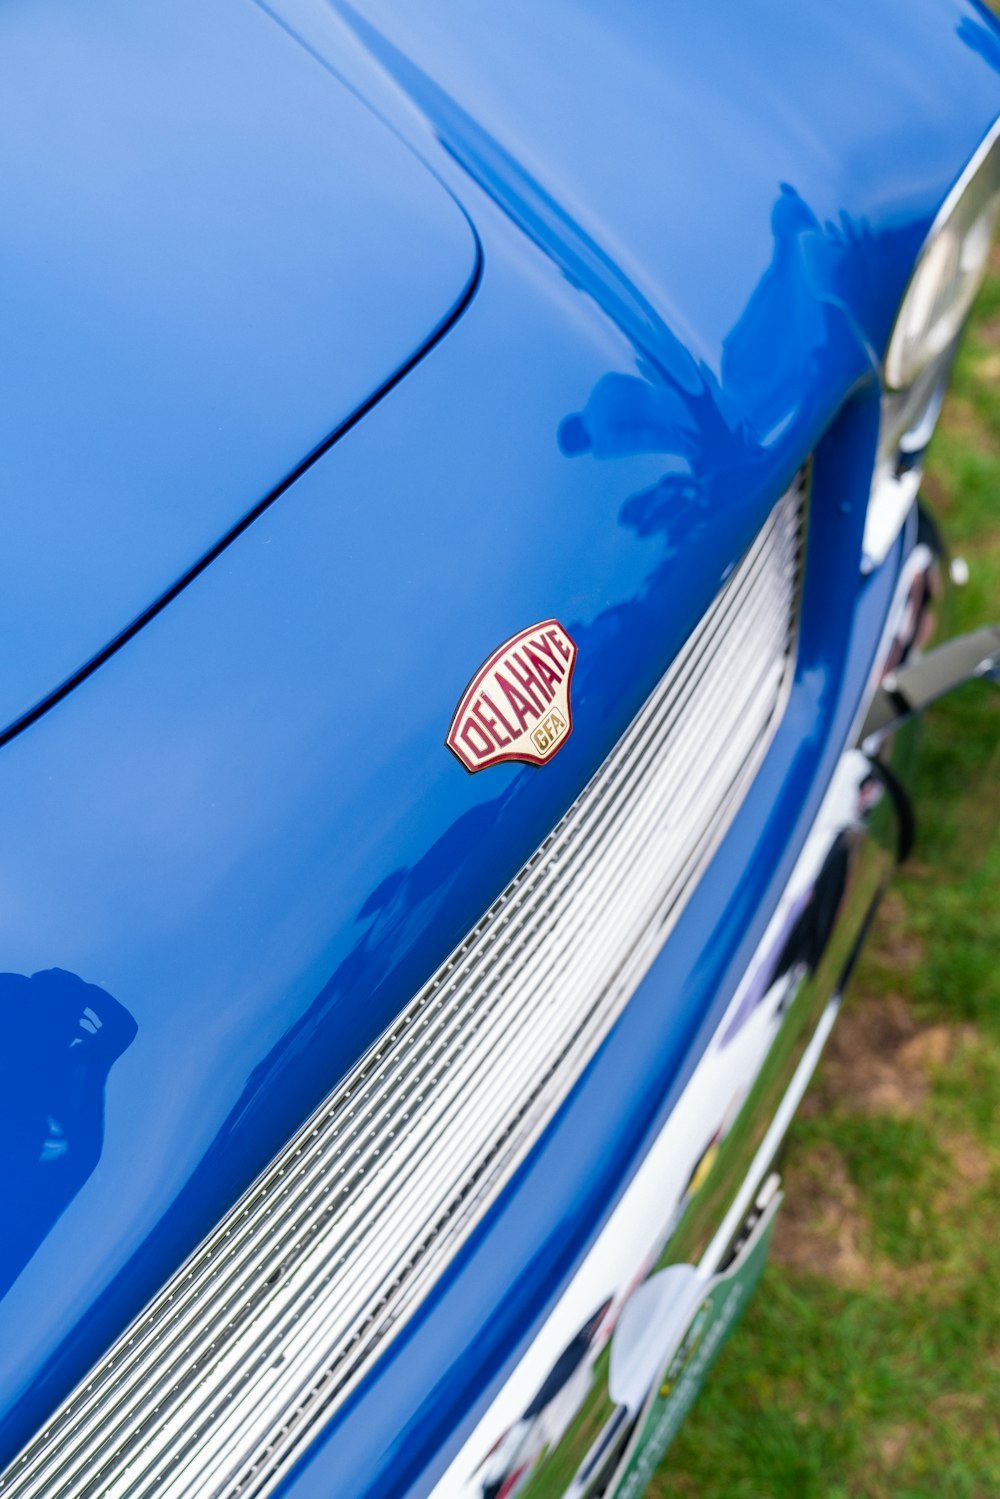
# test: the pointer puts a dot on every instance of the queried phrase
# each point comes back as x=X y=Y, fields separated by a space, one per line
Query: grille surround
x=219 y=1384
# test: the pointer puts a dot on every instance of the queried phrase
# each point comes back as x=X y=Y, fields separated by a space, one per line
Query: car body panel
x=175 y=829
x=695 y=170
x=397 y=1435
x=246 y=827
x=213 y=256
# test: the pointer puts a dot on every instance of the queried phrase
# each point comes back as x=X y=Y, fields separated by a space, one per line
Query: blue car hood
x=212 y=255
x=231 y=855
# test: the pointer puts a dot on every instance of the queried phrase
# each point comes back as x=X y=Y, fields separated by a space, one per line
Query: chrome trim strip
x=231 y=1370
x=776 y=1132
x=647 y=1231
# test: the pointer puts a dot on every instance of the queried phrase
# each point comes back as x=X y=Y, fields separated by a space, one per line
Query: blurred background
x=869 y=1362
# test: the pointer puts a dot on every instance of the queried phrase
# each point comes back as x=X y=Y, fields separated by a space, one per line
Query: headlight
x=947 y=275
x=949 y=270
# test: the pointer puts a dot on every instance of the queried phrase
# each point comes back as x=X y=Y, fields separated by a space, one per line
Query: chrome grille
x=220 y=1382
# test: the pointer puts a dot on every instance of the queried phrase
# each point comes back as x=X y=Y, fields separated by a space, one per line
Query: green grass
x=869 y=1364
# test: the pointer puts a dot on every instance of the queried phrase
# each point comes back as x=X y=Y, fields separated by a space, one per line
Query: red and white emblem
x=517 y=705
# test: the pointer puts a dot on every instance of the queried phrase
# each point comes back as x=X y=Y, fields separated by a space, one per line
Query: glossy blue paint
x=245 y=825
x=213 y=256
x=644 y=148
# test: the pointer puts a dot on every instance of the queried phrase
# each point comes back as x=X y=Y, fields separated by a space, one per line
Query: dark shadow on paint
x=60 y=1039
x=983 y=38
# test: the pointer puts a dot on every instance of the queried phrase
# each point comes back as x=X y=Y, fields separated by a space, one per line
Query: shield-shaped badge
x=517 y=705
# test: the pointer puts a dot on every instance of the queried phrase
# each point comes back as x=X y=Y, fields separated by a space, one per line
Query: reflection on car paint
x=698 y=420
x=61 y=1037
x=816 y=305
x=807 y=928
